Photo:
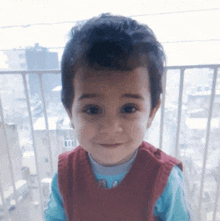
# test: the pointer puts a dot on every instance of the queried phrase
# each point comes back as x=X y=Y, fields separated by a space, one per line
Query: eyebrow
x=135 y=96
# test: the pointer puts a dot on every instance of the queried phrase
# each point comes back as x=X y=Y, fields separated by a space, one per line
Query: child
x=112 y=71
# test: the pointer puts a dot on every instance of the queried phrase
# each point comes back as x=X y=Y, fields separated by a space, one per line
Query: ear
x=153 y=113
x=70 y=117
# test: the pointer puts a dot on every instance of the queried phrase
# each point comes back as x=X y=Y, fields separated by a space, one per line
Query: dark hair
x=112 y=43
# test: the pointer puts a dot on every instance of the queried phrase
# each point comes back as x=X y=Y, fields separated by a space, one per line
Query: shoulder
x=173 y=204
x=70 y=163
x=160 y=157
x=174 y=184
x=176 y=175
x=68 y=157
x=67 y=154
x=175 y=180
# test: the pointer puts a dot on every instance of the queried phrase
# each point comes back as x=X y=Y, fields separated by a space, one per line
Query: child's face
x=104 y=112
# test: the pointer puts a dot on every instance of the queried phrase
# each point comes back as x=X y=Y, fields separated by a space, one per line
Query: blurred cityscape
x=26 y=151
x=18 y=131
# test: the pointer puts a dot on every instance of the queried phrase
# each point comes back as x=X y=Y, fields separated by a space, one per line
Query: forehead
x=90 y=79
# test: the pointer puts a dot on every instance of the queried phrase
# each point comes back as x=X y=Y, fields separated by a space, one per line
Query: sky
x=189 y=30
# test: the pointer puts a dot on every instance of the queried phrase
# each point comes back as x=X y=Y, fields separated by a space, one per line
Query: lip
x=111 y=145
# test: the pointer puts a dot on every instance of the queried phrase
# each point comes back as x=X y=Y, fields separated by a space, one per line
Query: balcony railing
x=34 y=130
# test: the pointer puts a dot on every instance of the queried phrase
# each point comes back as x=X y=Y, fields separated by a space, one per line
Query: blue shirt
x=171 y=206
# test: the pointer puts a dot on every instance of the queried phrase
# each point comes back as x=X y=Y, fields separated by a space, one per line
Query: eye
x=91 y=110
x=129 y=109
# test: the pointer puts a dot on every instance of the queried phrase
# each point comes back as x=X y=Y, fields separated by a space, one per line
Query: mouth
x=111 y=145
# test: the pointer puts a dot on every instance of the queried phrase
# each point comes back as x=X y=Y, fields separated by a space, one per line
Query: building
x=35 y=58
x=197 y=116
x=9 y=145
x=15 y=153
x=61 y=138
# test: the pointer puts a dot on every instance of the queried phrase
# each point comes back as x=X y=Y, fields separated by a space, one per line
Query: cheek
x=138 y=128
x=84 y=130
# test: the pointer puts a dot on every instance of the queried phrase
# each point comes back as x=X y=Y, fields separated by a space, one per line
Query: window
x=68 y=143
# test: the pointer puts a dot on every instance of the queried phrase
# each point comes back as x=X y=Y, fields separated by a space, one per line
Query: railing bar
x=218 y=183
x=195 y=66
x=34 y=141
x=162 y=109
x=8 y=153
x=3 y=202
x=57 y=71
x=217 y=195
x=207 y=139
x=179 y=111
x=46 y=122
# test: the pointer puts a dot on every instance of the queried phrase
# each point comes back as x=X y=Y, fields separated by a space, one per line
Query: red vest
x=133 y=199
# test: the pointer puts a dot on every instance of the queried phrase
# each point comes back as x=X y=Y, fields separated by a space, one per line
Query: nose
x=111 y=125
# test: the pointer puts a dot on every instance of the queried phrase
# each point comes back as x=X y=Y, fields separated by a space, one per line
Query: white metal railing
x=24 y=73
x=181 y=70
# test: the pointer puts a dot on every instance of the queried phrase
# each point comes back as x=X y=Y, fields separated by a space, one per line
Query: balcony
x=34 y=130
